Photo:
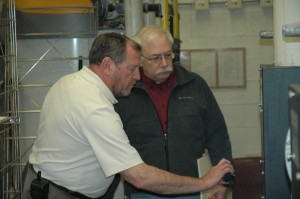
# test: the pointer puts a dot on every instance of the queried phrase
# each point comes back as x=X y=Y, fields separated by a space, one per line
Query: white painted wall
x=220 y=27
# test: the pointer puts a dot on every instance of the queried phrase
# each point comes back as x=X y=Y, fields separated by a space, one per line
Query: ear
x=107 y=64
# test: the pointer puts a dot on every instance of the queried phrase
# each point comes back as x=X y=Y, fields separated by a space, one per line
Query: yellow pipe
x=165 y=19
x=175 y=20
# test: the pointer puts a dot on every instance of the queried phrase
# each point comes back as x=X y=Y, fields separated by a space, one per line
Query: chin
x=164 y=74
x=162 y=78
x=124 y=93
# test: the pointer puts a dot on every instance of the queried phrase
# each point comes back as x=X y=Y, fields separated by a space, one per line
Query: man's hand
x=218 y=192
x=216 y=173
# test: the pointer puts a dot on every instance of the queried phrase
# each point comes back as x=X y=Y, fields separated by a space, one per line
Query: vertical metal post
x=176 y=20
x=165 y=18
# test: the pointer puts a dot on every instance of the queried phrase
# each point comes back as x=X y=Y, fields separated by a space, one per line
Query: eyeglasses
x=157 y=59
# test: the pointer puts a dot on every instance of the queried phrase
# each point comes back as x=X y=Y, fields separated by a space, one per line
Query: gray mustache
x=163 y=70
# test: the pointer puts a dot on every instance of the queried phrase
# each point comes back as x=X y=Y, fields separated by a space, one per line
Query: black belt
x=77 y=194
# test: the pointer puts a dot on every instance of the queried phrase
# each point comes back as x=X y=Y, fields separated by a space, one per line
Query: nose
x=136 y=74
x=163 y=61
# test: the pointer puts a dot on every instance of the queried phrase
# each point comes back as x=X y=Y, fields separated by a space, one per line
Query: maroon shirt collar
x=159 y=94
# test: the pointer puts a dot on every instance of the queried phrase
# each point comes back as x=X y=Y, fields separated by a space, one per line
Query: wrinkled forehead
x=160 y=45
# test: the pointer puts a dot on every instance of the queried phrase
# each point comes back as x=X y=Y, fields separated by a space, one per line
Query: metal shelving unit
x=30 y=68
x=10 y=170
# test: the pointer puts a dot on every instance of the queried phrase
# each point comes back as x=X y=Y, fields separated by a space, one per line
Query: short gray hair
x=150 y=33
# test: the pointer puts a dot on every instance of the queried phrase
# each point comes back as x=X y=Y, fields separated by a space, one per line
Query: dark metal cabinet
x=275 y=118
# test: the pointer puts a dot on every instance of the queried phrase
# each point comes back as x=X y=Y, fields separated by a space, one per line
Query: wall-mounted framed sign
x=221 y=68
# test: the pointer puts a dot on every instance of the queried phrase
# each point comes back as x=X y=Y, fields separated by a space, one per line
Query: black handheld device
x=229 y=178
x=39 y=188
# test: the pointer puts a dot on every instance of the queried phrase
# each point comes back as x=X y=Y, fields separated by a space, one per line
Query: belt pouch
x=39 y=187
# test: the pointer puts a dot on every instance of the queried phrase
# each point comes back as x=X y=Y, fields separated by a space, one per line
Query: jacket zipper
x=167 y=151
x=165 y=138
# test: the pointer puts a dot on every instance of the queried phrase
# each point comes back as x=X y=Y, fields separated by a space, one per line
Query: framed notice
x=232 y=67
x=221 y=68
x=206 y=58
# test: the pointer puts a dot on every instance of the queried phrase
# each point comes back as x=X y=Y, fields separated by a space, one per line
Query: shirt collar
x=91 y=77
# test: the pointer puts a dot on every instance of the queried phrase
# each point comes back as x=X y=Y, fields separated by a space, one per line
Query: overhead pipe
x=291 y=30
x=266 y=34
x=151 y=7
x=151 y=11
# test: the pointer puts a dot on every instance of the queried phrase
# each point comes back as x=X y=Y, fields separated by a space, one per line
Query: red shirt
x=160 y=93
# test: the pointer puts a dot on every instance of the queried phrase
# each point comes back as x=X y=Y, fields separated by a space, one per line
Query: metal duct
x=291 y=30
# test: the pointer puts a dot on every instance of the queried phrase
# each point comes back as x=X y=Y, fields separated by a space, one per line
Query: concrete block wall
x=221 y=27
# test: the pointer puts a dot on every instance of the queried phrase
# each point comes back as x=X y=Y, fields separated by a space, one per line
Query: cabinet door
x=275 y=87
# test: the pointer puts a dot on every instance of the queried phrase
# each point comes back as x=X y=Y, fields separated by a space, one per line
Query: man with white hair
x=171 y=116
